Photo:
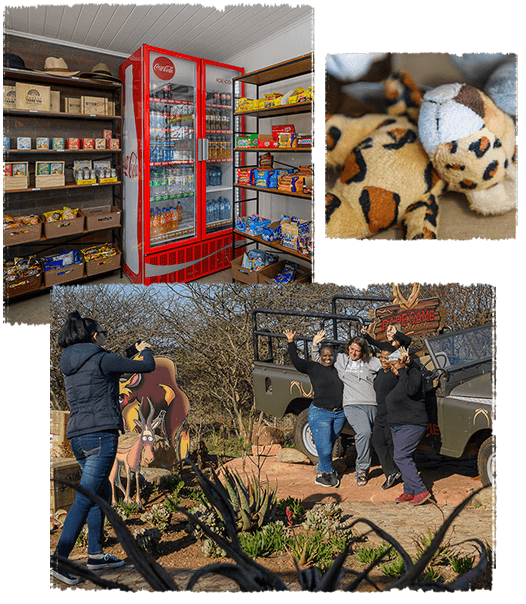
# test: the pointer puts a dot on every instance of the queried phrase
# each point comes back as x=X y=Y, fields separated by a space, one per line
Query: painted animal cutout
x=130 y=456
x=161 y=388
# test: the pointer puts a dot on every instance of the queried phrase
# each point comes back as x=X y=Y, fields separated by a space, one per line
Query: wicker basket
x=64 y=228
x=24 y=233
x=105 y=217
x=103 y=265
x=22 y=285
x=57 y=276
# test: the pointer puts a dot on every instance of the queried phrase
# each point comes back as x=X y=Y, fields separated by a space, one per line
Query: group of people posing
x=382 y=398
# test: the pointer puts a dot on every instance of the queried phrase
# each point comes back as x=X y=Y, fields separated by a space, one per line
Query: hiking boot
x=420 y=498
x=107 y=561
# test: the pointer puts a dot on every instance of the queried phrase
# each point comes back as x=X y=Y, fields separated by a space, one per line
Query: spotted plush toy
x=394 y=168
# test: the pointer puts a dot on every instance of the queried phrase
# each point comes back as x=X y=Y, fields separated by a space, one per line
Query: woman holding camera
x=91 y=376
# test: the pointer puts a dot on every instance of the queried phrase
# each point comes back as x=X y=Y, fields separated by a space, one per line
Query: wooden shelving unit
x=275 y=73
x=18 y=122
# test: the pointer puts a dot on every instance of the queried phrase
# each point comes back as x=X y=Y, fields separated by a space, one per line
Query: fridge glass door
x=172 y=191
x=219 y=133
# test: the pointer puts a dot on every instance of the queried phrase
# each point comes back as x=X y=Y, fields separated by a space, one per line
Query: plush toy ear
x=497 y=199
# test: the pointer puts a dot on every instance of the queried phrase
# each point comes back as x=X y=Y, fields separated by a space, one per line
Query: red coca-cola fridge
x=177 y=166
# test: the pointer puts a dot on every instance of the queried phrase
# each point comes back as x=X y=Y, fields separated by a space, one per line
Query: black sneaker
x=107 y=561
x=59 y=573
x=327 y=480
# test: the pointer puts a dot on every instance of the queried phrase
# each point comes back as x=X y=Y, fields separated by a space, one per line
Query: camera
x=131 y=351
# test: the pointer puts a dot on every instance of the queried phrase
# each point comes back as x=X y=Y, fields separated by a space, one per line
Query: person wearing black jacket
x=408 y=419
x=91 y=376
x=326 y=416
x=382 y=438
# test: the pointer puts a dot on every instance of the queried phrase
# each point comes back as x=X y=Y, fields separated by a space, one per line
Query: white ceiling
x=190 y=29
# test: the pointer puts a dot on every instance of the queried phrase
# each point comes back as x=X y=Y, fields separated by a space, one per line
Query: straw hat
x=100 y=72
x=58 y=67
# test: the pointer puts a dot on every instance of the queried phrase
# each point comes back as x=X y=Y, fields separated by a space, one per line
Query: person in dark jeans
x=408 y=419
x=382 y=438
x=326 y=416
x=91 y=376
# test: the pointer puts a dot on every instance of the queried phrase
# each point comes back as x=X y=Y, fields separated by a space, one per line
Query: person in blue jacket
x=91 y=376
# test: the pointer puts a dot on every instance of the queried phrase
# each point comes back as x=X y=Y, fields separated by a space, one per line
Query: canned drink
x=223 y=98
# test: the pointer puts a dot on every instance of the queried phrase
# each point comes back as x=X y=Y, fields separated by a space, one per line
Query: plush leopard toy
x=394 y=168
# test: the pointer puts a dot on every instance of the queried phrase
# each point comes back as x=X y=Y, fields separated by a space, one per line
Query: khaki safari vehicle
x=457 y=368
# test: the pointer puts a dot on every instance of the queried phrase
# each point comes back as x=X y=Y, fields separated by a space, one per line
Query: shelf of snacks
x=274 y=191
x=277 y=110
x=259 y=266
x=31 y=274
x=293 y=182
x=56 y=224
x=272 y=150
x=52 y=142
x=290 y=235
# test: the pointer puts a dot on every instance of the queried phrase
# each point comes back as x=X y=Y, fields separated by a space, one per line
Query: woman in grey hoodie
x=357 y=371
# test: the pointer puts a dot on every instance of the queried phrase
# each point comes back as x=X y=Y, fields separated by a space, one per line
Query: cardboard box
x=93 y=105
x=60 y=446
x=72 y=105
x=58 y=144
x=42 y=142
x=32 y=97
x=87 y=143
x=104 y=217
x=244 y=275
x=73 y=143
x=269 y=273
x=100 y=143
x=54 y=101
x=9 y=97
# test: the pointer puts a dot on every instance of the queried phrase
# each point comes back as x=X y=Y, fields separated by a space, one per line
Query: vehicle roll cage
x=332 y=320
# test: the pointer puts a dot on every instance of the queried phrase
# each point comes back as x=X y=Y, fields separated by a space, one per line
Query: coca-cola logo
x=131 y=166
x=163 y=68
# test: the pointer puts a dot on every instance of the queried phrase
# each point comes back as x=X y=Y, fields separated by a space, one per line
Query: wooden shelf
x=301 y=65
x=272 y=149
x=23 y=119
x=66 y=186
x=273 y=245
x=288 y=109
x=274 y=192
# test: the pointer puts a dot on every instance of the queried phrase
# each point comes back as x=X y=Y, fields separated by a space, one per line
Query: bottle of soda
x=179 y=209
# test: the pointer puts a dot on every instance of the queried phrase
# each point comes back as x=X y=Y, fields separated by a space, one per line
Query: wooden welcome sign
x=410 y=316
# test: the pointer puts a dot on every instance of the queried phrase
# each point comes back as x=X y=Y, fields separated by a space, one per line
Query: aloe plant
x=253 y=504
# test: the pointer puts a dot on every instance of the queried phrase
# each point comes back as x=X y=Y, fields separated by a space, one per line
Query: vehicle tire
x=303 y=436
x=486 y=461
x=305 y=442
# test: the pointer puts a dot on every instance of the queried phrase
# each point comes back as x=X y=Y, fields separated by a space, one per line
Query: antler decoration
x=413 y=296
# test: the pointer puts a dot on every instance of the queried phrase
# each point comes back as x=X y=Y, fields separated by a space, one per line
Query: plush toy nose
x=445 y=116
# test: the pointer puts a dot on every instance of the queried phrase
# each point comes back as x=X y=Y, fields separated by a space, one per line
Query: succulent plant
x=253 y=504
x=251 y=576
x=158 y=515
x=148 y=538
x=328 y=520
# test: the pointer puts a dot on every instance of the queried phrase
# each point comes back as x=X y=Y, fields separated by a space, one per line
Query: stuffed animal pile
x=394 y=167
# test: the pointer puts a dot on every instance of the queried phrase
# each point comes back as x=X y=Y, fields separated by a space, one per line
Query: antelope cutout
x=130 y=456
